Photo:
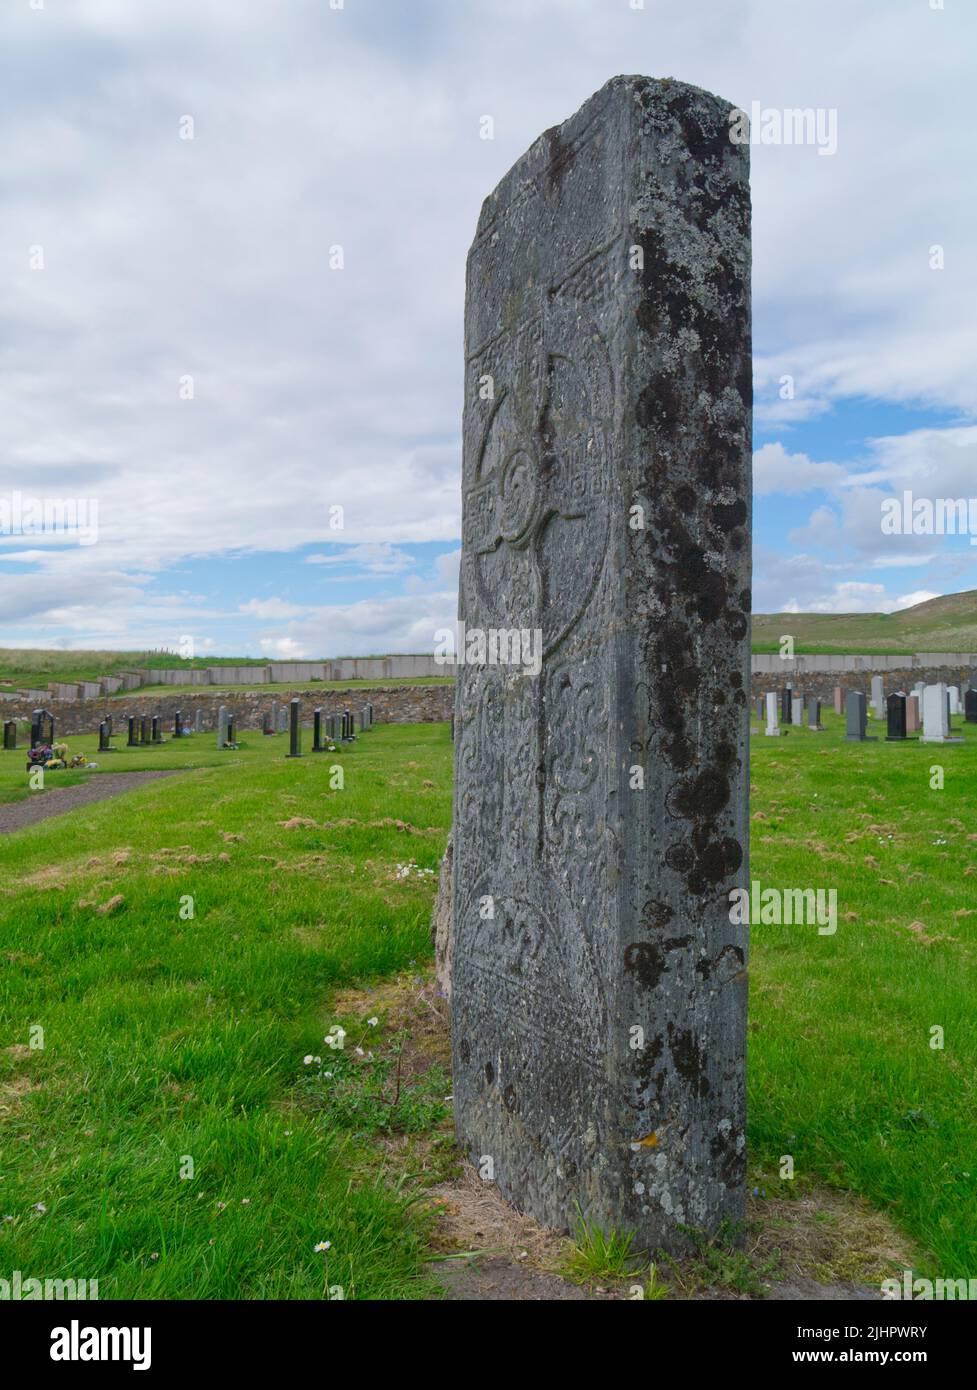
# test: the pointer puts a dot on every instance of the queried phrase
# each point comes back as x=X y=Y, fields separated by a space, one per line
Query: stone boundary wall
x=822 y=684
x=771 y=665
x=402 y=704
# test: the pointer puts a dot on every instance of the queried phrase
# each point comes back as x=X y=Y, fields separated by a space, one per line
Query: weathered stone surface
x=608 y=311
x=441 y=920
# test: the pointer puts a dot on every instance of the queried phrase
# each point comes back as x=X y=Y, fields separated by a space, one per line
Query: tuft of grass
x=598 y=1254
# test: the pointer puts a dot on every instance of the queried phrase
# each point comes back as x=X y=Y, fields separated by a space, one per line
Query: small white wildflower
x=39 y=1206
x=323 y=1245
x=373 y=1022
x=307 y=1059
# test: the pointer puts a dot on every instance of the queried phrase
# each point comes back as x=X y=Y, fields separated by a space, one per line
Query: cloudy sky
x=181 y=346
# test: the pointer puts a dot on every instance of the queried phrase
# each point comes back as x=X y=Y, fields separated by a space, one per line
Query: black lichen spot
x=728 y=515
x=646 y=961
x=701 y=797
x=746 y=600
x=561 y=160
x=489 y=1073
x=465 y=1051
x=679 y=857
x=737 y=625
x=509 y=1098
x=655 y=914
x=689 y=1060
x=645 y=1060
x=659 y=405
x=730 y=1155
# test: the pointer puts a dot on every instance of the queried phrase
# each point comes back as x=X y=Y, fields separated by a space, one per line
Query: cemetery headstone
x=348 y=734
x=599 y=983
x=814 y=714
x=936 y=715
x=331 y=728
x=9 y=735
x=912 y=714
x=317 y=731
x=896 y=718
x=362 y=721
x=144 y=729
x=878 y=697
x=231 y=733
x=856 y=718
x=760 y=702
x=198 y=720
x=103 y=737
x=839 y=700
x=276 y=726
x=295 y=729
x=108 y=722
x=970 y=706
x=267 y=723
x=221 y=726
x=178 y=724
x=157 y=735
x=773 y=727
x=133 y=738
x=797 y=708
x=954 y=693
x=42 y=728
x=785 y=704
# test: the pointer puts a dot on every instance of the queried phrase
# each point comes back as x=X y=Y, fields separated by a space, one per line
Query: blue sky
x=180 y=346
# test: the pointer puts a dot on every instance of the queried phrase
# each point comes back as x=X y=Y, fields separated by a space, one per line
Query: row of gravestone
x=326 y=732
x=929 y=706
x=148 y=729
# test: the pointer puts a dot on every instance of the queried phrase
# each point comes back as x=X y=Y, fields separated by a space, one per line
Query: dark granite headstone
x=786 y=705
x=970 y=706
x=599 y=983
x=895 y=709
x=133 y=737
x=9 y=734
x=294 y=729
x=157 y=734
x=814 y=714
x=42 y=728
x=103 y=738
x=178 y=724
x=231 y=736
x=331 y=728
x=144 y=729
x=317 y=731
x=856 y=718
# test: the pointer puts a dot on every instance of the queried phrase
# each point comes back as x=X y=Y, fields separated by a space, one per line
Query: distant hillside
x=947 y=624
x=34 y=667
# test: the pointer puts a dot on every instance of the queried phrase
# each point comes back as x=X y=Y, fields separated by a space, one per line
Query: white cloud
x=775 y=470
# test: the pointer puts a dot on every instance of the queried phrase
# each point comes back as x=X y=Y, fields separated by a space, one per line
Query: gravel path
x=57 y=800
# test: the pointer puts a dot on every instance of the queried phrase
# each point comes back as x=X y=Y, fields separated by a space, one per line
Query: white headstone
x=878 y=697
x=773 y=724
x=797 y=708
x=936 y=720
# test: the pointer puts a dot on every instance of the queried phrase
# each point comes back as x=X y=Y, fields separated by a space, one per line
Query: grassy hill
x=947 y=624
x=34 y=667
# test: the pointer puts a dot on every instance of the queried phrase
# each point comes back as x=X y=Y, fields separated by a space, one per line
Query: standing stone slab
x=970 y=706
x=599 y=985
x=797 y=708
x=878 y=697
x=856 y=717
x=896 y=718
x=9 y=735
x=912 y=714
x=773 y=727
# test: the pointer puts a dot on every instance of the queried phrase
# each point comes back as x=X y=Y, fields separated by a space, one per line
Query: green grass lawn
x=167 y=1037
x=170 y=1038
